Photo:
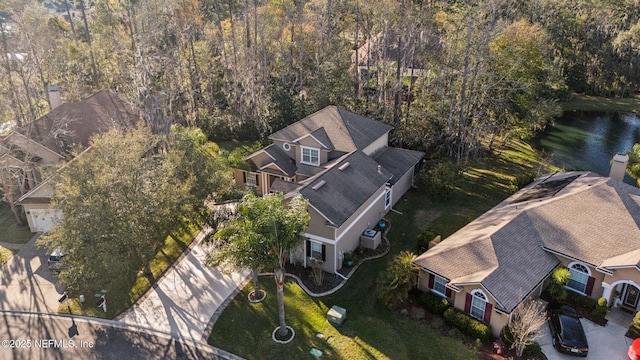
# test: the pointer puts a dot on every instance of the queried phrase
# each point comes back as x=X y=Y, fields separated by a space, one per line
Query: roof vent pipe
x=619 y=166
x=379 y=169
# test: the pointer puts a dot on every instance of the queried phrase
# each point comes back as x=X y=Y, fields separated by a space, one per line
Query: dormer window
x=310 y=156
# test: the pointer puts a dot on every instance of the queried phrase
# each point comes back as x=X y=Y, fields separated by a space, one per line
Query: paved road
x=186 y=297
x=48 y=336
x=26 y=284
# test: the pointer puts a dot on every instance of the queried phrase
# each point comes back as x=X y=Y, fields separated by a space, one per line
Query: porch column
x=606 y=293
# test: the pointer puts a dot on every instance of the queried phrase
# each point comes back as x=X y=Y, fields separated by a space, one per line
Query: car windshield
x=572 y=332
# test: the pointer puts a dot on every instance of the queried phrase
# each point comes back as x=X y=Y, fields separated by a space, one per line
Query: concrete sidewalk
x=185 y=299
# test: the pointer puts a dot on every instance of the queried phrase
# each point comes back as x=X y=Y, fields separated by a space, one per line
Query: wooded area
x=451 y=76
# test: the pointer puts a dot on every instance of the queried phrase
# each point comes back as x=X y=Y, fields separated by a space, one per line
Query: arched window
x=478 y=304
x=579 y=277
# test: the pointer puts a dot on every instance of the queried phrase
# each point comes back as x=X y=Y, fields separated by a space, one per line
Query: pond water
x=589 y=140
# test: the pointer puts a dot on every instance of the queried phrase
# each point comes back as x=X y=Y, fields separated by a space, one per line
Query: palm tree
x=262 y=235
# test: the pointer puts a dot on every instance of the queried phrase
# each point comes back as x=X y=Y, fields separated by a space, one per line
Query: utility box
x=337 y=315
x=370 y=239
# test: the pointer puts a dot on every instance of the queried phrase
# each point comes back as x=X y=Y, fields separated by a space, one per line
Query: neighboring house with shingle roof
x=32 y=153
x=580 y=220
x=342 y=164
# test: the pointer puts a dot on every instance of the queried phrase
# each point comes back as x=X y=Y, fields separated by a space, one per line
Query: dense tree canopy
x=121 y=198
x=451 y=75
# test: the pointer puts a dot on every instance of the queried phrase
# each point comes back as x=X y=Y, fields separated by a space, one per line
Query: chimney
x=619 y=166
x=54 y=96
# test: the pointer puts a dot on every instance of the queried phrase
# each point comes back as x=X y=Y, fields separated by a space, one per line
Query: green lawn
x=373 y=331
x=595 y=103
x=10 y=231
x=131 y=289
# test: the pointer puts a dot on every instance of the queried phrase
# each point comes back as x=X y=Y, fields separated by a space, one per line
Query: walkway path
x=185 y=299
x=11 y=246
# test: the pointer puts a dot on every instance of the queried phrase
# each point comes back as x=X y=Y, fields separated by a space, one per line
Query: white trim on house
x=258 y=152
x=33 y=142
x=575 y=271
x=302 y=149
x=318 y=238
x=478 y=296
x=362 y=213
x=314 y=138
x=568 y=257
x=484 y=289
x=388 y=197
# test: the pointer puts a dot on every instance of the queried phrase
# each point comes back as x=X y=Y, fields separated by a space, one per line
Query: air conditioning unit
x=370 y=239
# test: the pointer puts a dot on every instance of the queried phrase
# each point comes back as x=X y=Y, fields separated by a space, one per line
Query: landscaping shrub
x=599 y=311
x=521 y=181
x=581 y=301
x=423 y=240
x=532 y=351
x=468 y=325
x=506 y=335
x=436 y=179
x=433 y=303
x=634 y=329
x=559 y=278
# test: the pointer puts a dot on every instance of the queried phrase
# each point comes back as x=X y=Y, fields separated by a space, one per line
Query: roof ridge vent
x=318 y=185
x=344 y=166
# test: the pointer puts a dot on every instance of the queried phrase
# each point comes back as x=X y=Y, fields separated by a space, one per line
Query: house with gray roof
x=585 y=222
x=341 y=162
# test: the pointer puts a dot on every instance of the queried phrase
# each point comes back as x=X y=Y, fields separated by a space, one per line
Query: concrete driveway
x=26 y=284
x=605 y=343
x=184 y=301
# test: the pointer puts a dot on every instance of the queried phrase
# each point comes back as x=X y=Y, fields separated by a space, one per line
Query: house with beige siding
x=342 y=163
x=32 y=153
x=585 y=222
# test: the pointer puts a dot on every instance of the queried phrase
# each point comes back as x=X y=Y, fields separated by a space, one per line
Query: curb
x=129 y=327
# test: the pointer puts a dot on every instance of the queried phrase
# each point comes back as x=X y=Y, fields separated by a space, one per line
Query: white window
x=579 y=277
x=316 y=250
x=250 y=178
x=478 y=304
x=387 y=198
x=439 y=285
x=310 y=156
x=286 y=146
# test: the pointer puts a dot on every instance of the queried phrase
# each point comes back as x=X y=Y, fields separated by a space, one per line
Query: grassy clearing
x=130 y=290
x=10 y=231
x=595 y=103
x=372 y=330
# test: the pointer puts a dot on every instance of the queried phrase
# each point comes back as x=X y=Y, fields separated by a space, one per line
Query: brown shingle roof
x=593 y=219
x=73 y=124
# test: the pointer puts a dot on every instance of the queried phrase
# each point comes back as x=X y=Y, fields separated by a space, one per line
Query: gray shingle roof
x=285 y=187
x=593 y=219
x=282 y=160
x=398 y=161
x=346 y=131
x=344 y=191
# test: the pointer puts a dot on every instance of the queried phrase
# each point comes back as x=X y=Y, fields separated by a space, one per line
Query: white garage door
x=44 y=220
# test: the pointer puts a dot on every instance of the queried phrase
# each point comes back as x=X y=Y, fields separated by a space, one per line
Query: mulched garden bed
x=331 y=281
x=412 y=309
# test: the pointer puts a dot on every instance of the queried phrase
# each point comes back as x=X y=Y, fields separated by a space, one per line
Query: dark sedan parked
x=567 y=333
